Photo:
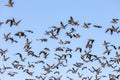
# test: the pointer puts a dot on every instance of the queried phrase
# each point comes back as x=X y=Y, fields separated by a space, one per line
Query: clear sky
x=40 y=15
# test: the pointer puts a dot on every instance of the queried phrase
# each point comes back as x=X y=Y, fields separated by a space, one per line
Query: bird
x=21 y=57
x=86 y=25
x=76 y=35
x=67 y=42
x=5 y=58
x=72 y=22
x=6 y=36
x=107 y=51
x=30 y=31
x=54 y=36
x=15 y=23
x=2 y=52
x=114 y=20
x=109 y=29
x=97 y=26
x=78 y=49
x=59 y=49
x=47 y=49
x=10 y=3
x=73 y=70
x=1 y=23
x=69 y=34
x=62 y=25
x=42 y=39
x=20 y=34
x=12 y=74
x=61 y=42
x=10 y=21
x=6 y=67
x=44 y=53
x=30 y=65
x=105 y=43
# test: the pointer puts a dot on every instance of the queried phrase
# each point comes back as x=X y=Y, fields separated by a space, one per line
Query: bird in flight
x=72 y=22
x=114 y=20
x=10 y=3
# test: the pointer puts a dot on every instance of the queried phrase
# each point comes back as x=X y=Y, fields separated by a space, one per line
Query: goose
x=20 y=34
x=114 y=20
x=10 y=3
x=10 y=21
x=72 y=22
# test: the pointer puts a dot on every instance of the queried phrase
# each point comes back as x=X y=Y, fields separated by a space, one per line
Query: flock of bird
x=51 y=62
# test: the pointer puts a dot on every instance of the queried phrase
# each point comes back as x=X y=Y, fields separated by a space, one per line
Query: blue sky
x=39 y=16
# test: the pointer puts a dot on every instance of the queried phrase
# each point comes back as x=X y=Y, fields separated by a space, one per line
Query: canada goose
x=69 y=78
x=57 y=29
x=115 y=29
x=112 y=30
x=97 y=26
x=85 y=67
x=27 y=44
x=10 y=21
x=109 y=29
x=40 y=77
x=5 y=58
x=106 y=43
x=113 y=46
x=72 y=22
x=72 y=30
x=47 y=49
x=102 y=63
x=30 y=73
x=43 y=39
x=68 y=49
x=79 y=75
x=2 y=52
x=86 y=25
x=90 y=41
x=107 y=50
x=114 y=20
x=59 y=49
x=61 y=42
x=78 y=65
x=62 y=25
x=73 y=70
x=5 y=67
x=67 y=42
x=20 y=55
x=54 y=36
x=57 y=72
x=44 y=53
x=47 y=32
x=76 y=35
x=69 y=34
x=20 y=34
x=12 y=73
x=30 y=65
x=98 y=70
x=117 y=70
x=16 y=23
x=78 y=48
x=39 y=61
x=10 y=3
x=30 y=31
x=6 y=36
x=12 y=40
x=1 y=23
x=56 y=78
